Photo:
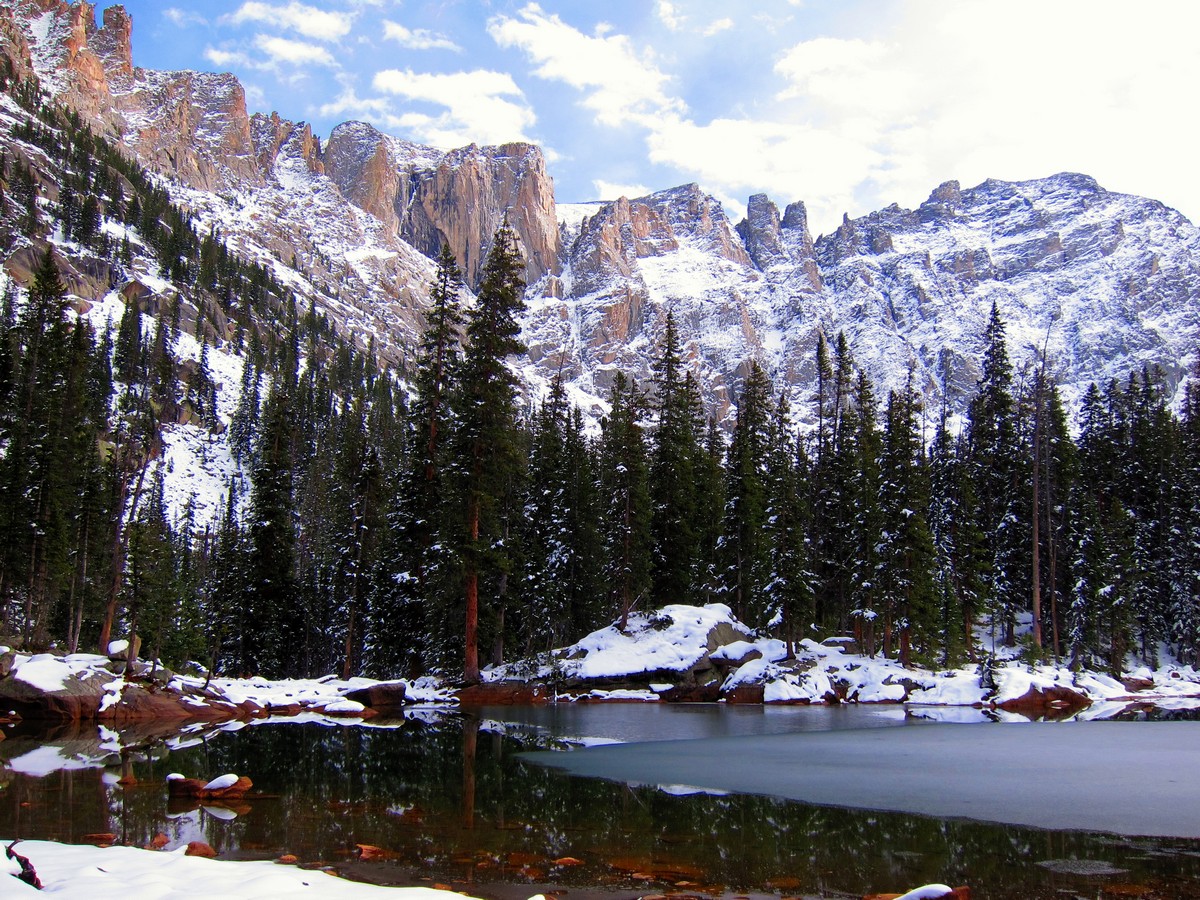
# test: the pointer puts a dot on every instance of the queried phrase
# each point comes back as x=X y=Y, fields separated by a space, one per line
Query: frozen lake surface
x=1131 y=778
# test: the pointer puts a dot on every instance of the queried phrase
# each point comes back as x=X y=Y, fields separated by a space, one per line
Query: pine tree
x=625 y=496
x=997 y=467
x=487 y=453
x=790 y=590
x=676 y=448
x=745 y=553
x=267 y=628
x=906 y=551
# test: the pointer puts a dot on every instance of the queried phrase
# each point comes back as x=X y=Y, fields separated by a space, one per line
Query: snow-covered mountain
x=1102 y=282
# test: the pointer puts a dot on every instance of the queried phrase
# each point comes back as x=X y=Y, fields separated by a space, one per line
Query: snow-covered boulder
x=670 y=644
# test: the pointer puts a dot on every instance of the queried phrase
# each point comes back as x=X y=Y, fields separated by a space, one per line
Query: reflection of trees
x=325 y=789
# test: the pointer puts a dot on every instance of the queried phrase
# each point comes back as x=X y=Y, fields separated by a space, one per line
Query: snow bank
x=70 y=872
x=673 y=639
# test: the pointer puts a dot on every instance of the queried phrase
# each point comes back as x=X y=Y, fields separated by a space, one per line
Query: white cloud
x=608 y=190
x=308 y=21
x=621 y=84
x=225 y=59
x=718 y=26
x=477 y=106
x=349 y=104
x=969 y=91
x=183 y=18
x=295 y=53
x=668 y=13
x=417 y=38
x=733 y=157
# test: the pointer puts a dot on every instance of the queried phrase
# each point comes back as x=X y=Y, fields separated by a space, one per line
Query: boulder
x=504 y=693
x=218 y=789
x=1040 y=701
x=74 y=699
x=385 y=696
x=199 y=848
x=746 y=693
x=693 y=693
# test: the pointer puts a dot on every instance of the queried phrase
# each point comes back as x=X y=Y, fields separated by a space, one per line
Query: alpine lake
x=452 y=797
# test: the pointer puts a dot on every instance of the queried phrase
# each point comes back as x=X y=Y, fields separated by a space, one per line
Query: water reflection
x=446 y=797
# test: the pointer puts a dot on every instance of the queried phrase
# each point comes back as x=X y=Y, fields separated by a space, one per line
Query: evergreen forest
x=429 y=517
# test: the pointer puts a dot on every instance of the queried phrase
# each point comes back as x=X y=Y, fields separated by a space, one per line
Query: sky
x=848 y=105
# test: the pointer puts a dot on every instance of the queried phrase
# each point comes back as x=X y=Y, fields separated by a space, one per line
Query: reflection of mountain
x=1104 y=282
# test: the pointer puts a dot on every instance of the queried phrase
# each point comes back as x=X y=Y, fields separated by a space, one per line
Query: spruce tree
x=906 y=551
x=997 y=469
x=745 y=552
x=791 y=585
x=487 y=454
x=676 y=448
x=625 y=496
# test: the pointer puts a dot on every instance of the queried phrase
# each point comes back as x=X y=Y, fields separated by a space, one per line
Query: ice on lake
x=1133 y=778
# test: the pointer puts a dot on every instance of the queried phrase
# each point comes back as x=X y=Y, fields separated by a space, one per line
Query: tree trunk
x=1036 y=584
x=471 y=584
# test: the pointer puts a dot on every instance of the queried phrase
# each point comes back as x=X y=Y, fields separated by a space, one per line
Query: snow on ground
x=70 y=872
x=672 y=639
x=675 y=639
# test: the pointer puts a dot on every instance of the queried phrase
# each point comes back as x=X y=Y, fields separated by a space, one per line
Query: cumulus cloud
x=309 y=21
x=417 y=38
x=620 y=84
x=294 y=53
x=481 y=106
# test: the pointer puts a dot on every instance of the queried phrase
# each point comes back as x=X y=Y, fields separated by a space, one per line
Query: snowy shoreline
x=84 y=872
x=677 y=654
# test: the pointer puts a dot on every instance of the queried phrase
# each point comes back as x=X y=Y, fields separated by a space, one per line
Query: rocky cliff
x=459 y=198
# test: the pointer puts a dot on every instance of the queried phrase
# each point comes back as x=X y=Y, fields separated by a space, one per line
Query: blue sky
x=849 y=105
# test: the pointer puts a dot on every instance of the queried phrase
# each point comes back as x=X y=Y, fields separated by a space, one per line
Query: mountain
x=1100 y=282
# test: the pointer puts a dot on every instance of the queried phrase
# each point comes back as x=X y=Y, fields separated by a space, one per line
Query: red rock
x=105 y=837
x=199 y=848
x=503 y=693
x=693 y=693
x=159 y=841
x=1038 y=700
x=746 y=693
x=194 y=787
x=385 y=696
x=287 y=860
x=371 y=853
x=1134 y=685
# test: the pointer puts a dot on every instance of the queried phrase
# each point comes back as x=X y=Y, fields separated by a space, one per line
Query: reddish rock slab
x=1039 y=701
x=746 y=693
x=201 y=849
x=195 y=788
x=693 y=693
x=383 y=697
x=504 y=693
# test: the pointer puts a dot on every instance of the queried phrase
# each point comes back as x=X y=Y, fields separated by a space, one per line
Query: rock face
x=459 y=198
